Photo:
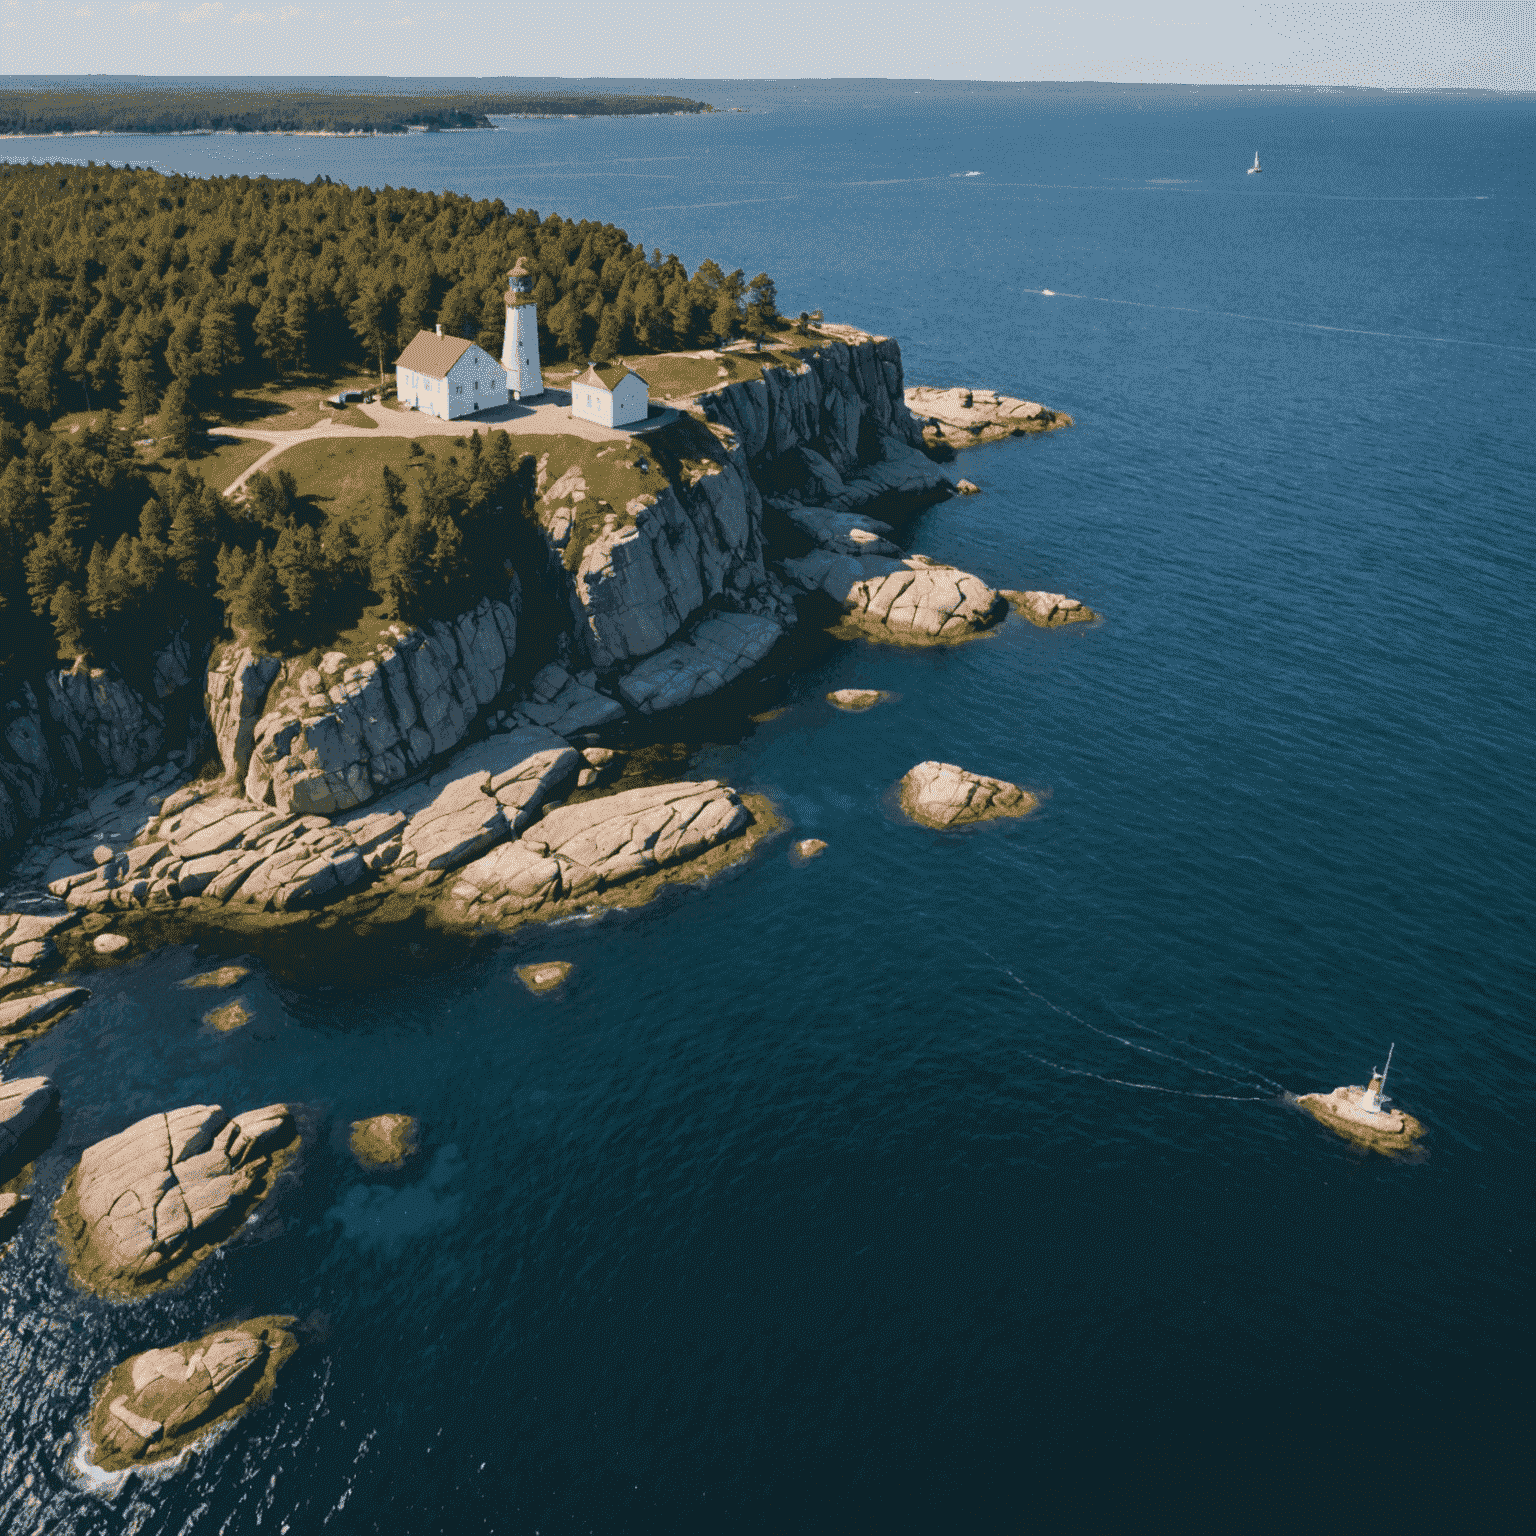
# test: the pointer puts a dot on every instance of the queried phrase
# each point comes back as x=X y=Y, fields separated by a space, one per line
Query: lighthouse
x=520 y=349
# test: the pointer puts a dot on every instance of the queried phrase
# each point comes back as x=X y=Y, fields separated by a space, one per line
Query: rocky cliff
x=88 y=725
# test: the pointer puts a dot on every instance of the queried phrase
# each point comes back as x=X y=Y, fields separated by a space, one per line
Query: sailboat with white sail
x=1255 y=168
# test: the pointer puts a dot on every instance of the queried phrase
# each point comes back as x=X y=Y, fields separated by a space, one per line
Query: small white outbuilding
x=611 y=395
x=448 y=377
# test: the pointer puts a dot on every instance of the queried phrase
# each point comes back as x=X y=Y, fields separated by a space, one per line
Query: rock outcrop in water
x=23 y=1103
x=583 y=851
x=144 y=1207
x=1048 y=609
x=155 y=1404
x=942 y=795
x=383 y=1141
x=913 y=601
x=960 y=418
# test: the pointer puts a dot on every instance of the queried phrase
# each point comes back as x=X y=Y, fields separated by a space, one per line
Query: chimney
x=439 y=330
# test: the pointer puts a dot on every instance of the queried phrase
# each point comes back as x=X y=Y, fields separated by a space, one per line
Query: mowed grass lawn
x=344 y=475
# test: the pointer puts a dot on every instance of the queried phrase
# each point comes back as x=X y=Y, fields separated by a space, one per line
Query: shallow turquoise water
x=831 y=1196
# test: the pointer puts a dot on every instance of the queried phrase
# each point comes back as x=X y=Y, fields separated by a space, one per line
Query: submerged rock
x=1048 y=608
x=544 y=976
x=230 y=1017
x=855 y=700
x=942 y=795
x=144 y=1207
x=155 y=1404
x=225 y=976
x=384 y=1141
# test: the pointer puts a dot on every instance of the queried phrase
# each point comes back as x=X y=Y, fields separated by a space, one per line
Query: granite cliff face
x=89 y=725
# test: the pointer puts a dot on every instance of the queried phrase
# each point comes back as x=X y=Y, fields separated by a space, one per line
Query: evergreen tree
x=174 y=426
x=68 y=618
x=253 y=612
x=138 y=390
x=37 y=383
x=762 y=306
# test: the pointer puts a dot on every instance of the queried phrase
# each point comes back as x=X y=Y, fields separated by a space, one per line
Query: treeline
x=98 y=557
x=125 y=285
x=130 y=110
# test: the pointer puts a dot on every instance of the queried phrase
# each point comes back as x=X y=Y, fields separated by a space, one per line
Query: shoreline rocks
x=24 y=1101
x=962 y=418
x=384 y=1141
x=155 y=1404
x=590 y=849
x=914 y=601
x=1048 y=609
x=717 y=652
x=143 y=1208
x=942 y=795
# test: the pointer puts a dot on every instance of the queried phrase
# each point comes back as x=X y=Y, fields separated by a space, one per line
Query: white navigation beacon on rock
x=520 y=348
x=1373 y=1101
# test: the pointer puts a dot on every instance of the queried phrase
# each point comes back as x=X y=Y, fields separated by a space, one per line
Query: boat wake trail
x=1299 y=325
x=1265 y=1088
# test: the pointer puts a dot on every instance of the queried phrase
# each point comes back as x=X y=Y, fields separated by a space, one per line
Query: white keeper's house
x=611 y=395
x=448 y=377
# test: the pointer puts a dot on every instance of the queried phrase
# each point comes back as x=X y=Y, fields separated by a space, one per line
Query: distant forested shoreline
x=132 y=110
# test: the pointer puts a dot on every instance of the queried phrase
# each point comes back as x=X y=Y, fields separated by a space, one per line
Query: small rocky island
x=941 y=795
x=155 y=1404
x=143 y=1208
x=384 y=1141
x=1348 y=1112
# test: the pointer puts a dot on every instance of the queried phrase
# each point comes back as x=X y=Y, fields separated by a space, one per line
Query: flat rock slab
x=109 y=943
x=157 y=1403
x=718 y=651
x=1388 y=1131
x=384 y=1141
x=961 y=417
x=23 y=1102
x=565 y=705
x=544 y=975
x=580 y=851
x=807 y=849
x=856 y=700
x=942 y=795
x=1048 y=609
x=144 y=1207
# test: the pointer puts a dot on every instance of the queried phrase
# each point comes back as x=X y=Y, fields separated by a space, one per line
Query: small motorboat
x=1048 y=293
x=1255 y=168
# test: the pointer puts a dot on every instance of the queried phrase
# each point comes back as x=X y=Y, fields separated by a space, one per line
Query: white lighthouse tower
x=520 y=349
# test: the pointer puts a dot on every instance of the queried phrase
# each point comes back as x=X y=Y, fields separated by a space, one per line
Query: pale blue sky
x=1403 y=44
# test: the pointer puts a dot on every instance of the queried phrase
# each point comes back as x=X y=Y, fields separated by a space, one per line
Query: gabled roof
x=432 y=354
x=607 y=376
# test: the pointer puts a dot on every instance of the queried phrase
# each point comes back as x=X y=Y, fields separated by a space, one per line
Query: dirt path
x=550 y=416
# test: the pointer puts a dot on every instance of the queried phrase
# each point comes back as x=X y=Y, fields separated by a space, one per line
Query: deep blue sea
x=948 y=1183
